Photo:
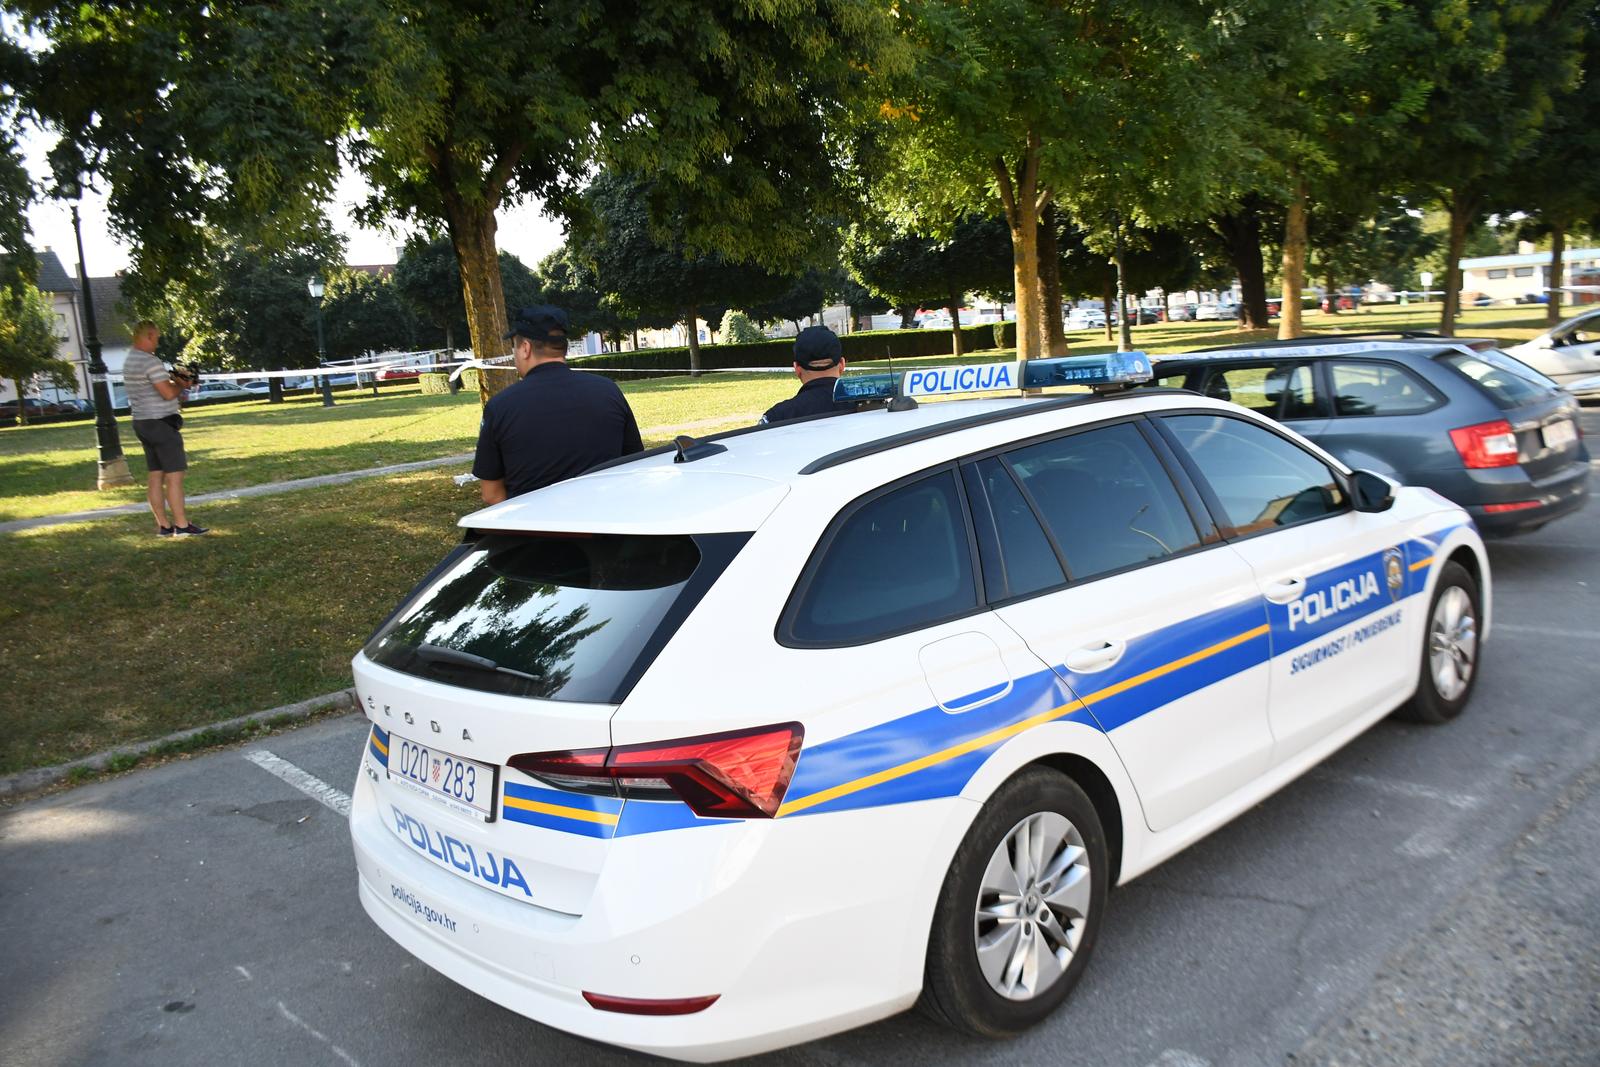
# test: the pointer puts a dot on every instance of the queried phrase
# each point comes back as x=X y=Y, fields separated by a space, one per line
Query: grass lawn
x=50 y=469
x=110 y=635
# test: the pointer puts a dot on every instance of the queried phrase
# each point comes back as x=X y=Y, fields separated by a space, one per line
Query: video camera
x=187 y=373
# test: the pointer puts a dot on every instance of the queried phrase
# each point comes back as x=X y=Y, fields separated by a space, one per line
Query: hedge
x=872 y=344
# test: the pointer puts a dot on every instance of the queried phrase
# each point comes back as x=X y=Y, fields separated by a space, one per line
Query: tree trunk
x=449 y=339
x=22 y=407
x=1461 y=215
x=954 y=307
x=1050 y=283
x=1558 y=253
x=691 y=317
x=1241 y=235
x=275 y=389
x=908 y=317
x=1332 y=289
x=1020 y=195
x=1106 y=298
x=472 y=232
x=1290 y=323
x=1125 y=329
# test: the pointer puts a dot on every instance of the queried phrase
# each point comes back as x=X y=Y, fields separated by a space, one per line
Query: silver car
x=1569 y=353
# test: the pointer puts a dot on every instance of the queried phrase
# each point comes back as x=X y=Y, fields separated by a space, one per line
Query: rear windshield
x=1509 y=382
x=554 y=616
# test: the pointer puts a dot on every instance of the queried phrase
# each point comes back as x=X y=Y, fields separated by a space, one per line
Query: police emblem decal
x=1394 y=571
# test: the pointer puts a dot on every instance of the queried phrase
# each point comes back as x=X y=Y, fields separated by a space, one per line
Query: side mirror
x=1372 y=492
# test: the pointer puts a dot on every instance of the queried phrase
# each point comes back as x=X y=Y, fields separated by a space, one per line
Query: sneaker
x=190 y=530
x=165 y=531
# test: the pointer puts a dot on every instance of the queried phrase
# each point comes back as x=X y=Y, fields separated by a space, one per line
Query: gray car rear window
x=1508 y=382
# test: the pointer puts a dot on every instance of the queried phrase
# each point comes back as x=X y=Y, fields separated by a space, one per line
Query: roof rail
x=1397 y=336
x=740 y=431
x=1025 y=406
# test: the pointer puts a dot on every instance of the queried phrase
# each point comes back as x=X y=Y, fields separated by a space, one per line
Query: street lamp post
x=317 y=288
x=112 y=469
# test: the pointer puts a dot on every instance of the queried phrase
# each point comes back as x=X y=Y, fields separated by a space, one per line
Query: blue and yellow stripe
x=573 y=813
x=378 y=745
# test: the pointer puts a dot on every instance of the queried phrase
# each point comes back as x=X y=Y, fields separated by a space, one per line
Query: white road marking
x=1177 y=1057
x=307 y=783
x=1396 y=787
x=308 y=1028
x=1548 y=631
x=241 y=970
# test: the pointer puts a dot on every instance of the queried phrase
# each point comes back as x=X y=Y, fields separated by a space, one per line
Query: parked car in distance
x=256 y=386
x=1181 y=312
x=1209 y=313
x=1455 y=416
x=220 y=391
x=1086 y=318
x=34 y=407
x=1568 y=354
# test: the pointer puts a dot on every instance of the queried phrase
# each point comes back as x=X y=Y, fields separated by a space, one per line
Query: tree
x=985 y=121
x=468 y=107
x=245 y=307
x=737 y=329
x=429 y=281
x=1499 y=67
x=193 y=119
x=1555 y=178
x=28 y=342
x=805 y=296
x=18 y=265
x=364 y=313
x=457 y=108
x=648 y=268
x=910 y=270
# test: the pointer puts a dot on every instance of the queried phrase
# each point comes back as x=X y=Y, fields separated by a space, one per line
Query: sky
x=524 y=230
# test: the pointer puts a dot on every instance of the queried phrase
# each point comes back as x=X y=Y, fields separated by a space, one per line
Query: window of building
x=1497 y=274
x=1523 y=272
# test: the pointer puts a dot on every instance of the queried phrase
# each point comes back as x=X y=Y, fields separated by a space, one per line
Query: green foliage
x=737 y=329
x=17 y=261
x=364 y=313
x=246 y=307
x=878 y=344
x=194 y=118
x=27 y=339
x=905 y=267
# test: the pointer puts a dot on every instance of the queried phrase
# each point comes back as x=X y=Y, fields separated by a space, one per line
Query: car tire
x=993 y=969
x=1449 y=649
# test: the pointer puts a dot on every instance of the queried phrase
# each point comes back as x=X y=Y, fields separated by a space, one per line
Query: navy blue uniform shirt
x=814 y=398
x=554 y=424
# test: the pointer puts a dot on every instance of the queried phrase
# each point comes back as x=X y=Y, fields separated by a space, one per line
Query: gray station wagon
x=1457 y=416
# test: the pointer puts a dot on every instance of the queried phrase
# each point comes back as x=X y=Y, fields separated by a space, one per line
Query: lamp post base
x=113 y=474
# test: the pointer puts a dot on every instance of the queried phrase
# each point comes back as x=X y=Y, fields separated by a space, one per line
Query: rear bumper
x=802 y=926
x=1554 y=496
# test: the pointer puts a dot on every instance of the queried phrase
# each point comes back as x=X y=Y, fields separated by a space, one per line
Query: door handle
x=1095 y=657
x=1285 y=590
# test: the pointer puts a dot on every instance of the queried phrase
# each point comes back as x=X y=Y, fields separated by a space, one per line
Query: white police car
x=739 y=744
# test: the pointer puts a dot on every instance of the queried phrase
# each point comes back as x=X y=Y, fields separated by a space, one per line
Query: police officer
x=818 y=363
x=555 y=423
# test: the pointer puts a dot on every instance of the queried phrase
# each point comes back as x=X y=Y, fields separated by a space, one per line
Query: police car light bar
x=1111 y=370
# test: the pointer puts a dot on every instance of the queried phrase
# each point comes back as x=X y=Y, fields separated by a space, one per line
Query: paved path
x=293 y=484
x=267 y=489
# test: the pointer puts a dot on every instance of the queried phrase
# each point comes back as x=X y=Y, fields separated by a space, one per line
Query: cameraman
x=154 y=396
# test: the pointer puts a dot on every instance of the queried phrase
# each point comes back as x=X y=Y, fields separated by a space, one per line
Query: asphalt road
x=1427 y=896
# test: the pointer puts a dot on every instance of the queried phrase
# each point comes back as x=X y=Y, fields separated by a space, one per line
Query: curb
x=23 y=782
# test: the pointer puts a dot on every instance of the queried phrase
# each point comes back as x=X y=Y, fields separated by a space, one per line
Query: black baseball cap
x=817 y=348
x=542 y=322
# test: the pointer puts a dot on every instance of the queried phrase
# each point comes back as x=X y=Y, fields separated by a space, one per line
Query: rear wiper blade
x=456 y=658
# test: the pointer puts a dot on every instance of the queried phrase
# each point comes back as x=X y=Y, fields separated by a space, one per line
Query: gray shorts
x=163 y=444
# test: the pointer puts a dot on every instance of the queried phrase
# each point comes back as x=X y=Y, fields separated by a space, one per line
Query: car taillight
x=1488 y=444
x=1521 y=505
x=636 y=1006
x=738 y=775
